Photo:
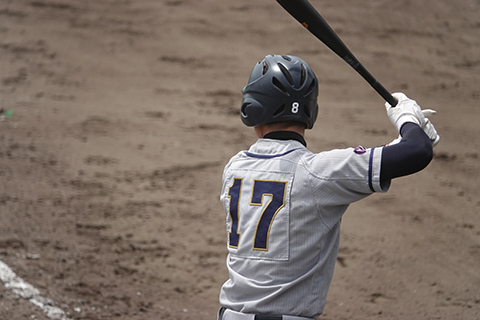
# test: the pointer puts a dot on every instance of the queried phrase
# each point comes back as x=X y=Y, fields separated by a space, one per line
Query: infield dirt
x=121 y=115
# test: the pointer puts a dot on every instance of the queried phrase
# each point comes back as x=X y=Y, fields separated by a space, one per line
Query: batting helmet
x=280 y=88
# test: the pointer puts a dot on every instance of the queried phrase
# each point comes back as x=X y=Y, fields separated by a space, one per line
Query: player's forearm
x=411 y=155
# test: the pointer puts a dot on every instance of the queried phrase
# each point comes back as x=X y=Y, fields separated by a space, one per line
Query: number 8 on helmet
x=280 y=88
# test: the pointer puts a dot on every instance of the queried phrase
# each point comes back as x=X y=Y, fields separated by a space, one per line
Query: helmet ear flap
x=251 y=111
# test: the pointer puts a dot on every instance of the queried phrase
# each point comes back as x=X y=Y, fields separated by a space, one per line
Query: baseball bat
x=306 y=14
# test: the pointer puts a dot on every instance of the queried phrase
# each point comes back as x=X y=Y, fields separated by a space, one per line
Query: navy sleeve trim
x=370 y=170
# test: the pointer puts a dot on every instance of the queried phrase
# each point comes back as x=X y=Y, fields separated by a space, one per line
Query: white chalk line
x=29 y=292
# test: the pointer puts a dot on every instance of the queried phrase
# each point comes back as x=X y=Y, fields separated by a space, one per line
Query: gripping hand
x=407 y=110
x=429 y=128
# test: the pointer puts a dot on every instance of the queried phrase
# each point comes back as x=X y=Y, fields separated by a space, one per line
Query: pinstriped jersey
x=284 y=205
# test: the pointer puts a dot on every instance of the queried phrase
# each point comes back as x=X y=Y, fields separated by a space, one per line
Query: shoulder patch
x=360 y=150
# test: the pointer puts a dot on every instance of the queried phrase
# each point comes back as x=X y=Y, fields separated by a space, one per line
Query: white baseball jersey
x=284 y=205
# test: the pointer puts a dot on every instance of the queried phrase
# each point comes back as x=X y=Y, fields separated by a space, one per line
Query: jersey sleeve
x=344 y=176
x=375 y=183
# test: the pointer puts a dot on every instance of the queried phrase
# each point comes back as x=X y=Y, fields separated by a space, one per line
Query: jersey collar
x=286 y=135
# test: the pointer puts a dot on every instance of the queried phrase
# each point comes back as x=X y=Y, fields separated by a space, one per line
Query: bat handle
x=376 y=85
x=385 y=94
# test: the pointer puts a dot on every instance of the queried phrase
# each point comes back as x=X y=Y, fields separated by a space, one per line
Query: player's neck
x=286 y=135
x=262 y=130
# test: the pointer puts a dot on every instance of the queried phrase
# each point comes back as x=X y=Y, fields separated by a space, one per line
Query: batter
x=284 y=203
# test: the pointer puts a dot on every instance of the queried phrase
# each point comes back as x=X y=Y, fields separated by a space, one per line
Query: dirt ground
x=119 y=116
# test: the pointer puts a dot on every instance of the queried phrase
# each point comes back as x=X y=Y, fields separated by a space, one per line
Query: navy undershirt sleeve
x=412 y=154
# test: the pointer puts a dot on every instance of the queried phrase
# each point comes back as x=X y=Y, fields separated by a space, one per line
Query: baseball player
x=284 y=204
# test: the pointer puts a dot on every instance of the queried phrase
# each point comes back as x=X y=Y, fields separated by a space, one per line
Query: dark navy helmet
x=280 y=88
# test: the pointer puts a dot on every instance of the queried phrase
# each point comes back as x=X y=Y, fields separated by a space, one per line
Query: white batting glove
x=406 y=110
x=429 y=128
